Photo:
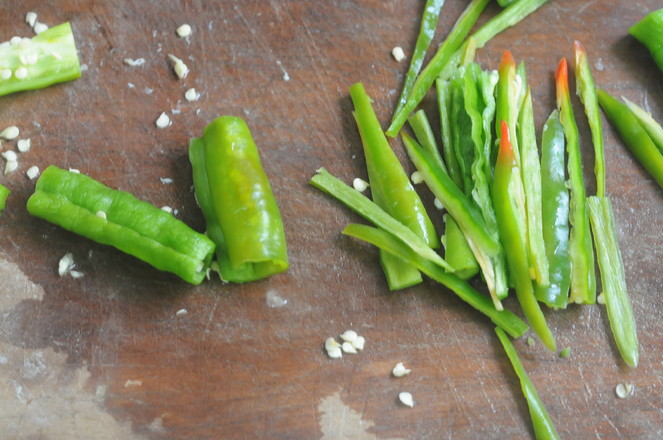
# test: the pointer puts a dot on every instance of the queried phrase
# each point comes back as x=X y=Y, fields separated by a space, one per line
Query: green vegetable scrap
x=544 y=429
x=653 y=128
x=555 y=215
x=429 y=21
x=233 y=191
x=457 y=250
x=386 y=241
x=583 y=278
x=4 y=193
x=46 y=59
x=511 y=222
x=82 y=205
x=634 y=135
x=391 y=189
x=565 y=353
x=648 y=32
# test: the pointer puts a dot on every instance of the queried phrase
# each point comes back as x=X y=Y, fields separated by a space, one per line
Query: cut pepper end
x=562 y=81
x=507 y=62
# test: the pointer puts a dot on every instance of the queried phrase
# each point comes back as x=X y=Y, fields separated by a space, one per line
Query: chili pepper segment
x=84 y=206
x=236 y=198
x=4 y=193
x=648 y=32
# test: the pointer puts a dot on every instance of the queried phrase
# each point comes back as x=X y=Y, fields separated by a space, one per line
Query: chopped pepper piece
x=84 y=206
x=46 y=59
x=234 y=193
x=4 y=193
x=648 y=32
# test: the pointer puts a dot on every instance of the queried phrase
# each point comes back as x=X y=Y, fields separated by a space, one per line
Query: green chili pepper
x=439 y=61
x=457 y=250
x=448 y=55
x=544 y=429
x=391 y=189
x=583 y=278
x=4 y=193
x=531 y=177
x=360 y=204
x=426 y=32
x=653 y=128
x=635 y=137
x=234 y=194
x=648 y=32
x=443 y=88
x=555 y=215
x=587 y=92
x=46 y=59
x=507 y=190
x=84 y=206
x=384 y=240
x=424 y=134
x=485 y=247
x=618 y=305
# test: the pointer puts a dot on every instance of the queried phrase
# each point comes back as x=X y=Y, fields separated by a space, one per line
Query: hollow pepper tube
x=233 y=191
x=86 y=207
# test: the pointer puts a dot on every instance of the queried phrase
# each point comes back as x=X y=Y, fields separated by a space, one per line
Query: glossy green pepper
x=649 y=31
x=236 y=198
x=511 y=222
x=4 y=193
x=391 y=189
x=82 y=205
x=634 y=135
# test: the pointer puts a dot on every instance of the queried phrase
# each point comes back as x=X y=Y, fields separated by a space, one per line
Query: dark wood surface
x=107 y=355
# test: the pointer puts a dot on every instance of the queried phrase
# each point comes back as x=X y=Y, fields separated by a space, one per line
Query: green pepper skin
x=544 y=429
x=511 y=223
x=4 y=193
x=648 y=32
x=555 y=215
x=426 y=32
x=457 y=250
x=239 y=198
x=57 y=60
x=75 y=201
x=635 y=137
x=583 y=275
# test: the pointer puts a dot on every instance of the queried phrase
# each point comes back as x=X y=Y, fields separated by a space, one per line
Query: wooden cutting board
x=128 y=352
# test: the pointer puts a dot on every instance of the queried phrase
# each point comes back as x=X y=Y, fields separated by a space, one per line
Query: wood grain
x=233 y=367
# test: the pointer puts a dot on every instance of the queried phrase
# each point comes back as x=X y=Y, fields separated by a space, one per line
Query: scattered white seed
x=5 y=74
x=23 y=59
x=167 y=209
x=623 y=390
x=39 y=27
x=176 y=111
x=10 y=156
x=134 y=63
x=359 y=343
x=191 y=95
x=438 y=204
x=74 y=170
x=181 y=70
x=184 y=31
x=163 y=121
x=32 y=172
x=398 y=54
x=166 y=180
x=101 y=214
x=76 y=274
x=11 y=166
x=21 y=73
x=333 y=348
x=417 y=178
x=32 y=58
x=399 y=370
x=600 y=298
x=24 y=44
x=349 y=335
x=66 y=264
x=181 y=312
x=406 y=399
x=133 y=383
x=360 y=184
x=31 y=18
x=347 y=347
x=23 y=145
x=15 y=40
x=10 y=133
